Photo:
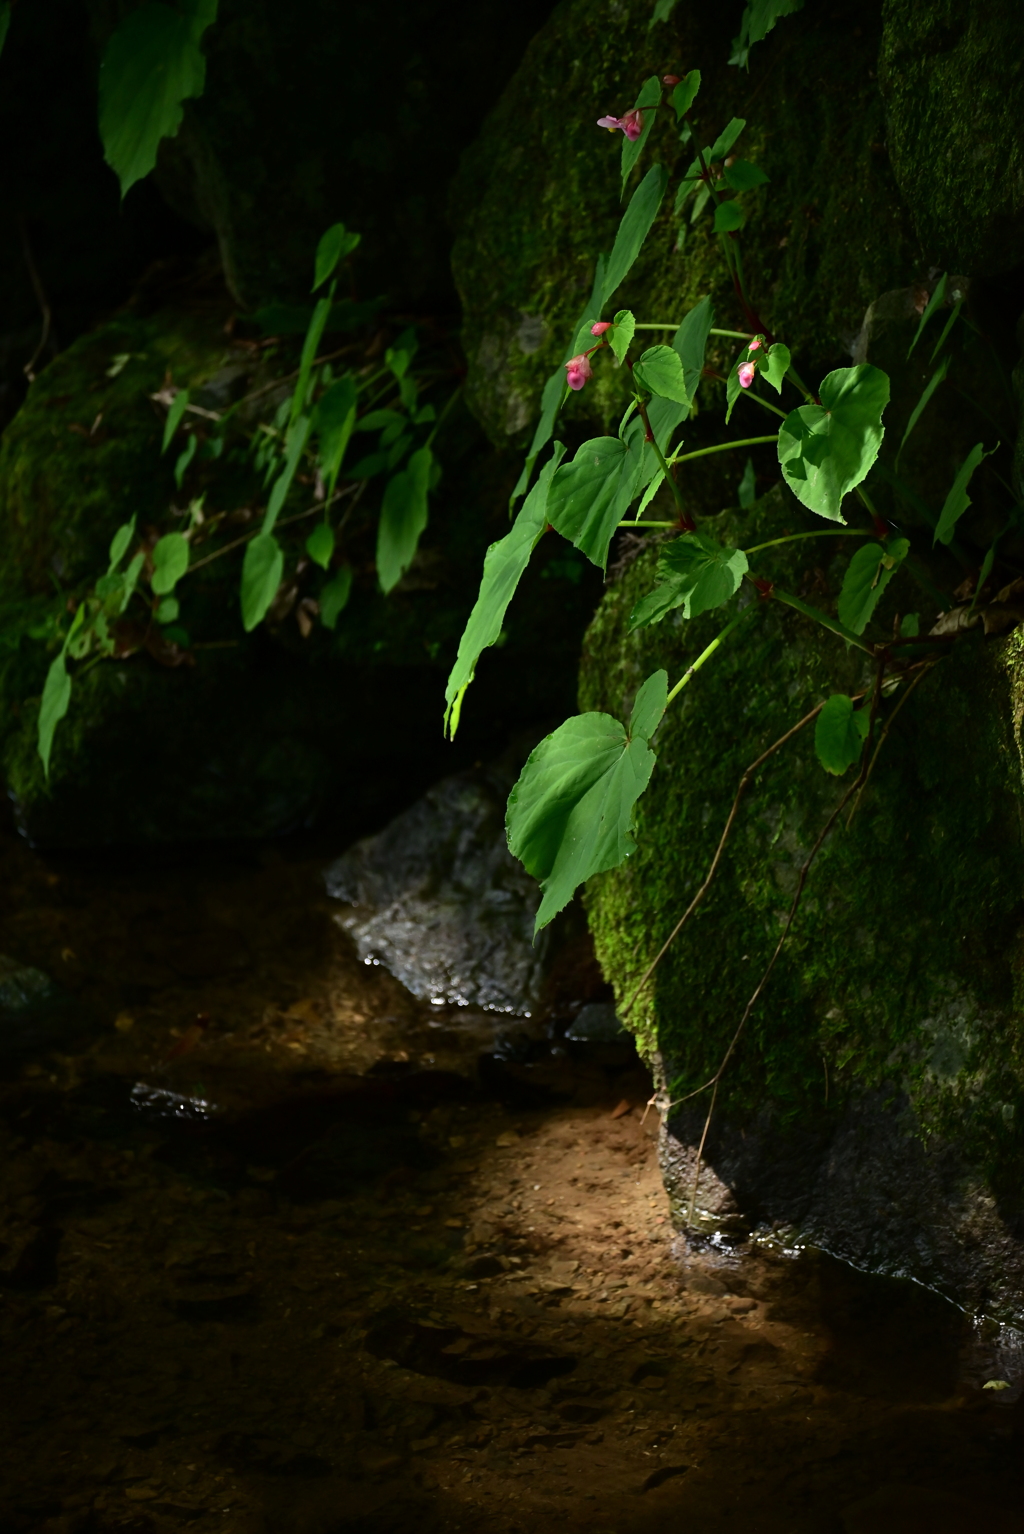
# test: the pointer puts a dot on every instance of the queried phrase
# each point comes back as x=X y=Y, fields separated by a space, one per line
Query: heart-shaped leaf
x=262 y=569
x=826 y=450
x=660 y=371
x=840 y=733
x=622 y=333
x=570 y=815
x=170 y=561
x=589 y=496
x=870 y=571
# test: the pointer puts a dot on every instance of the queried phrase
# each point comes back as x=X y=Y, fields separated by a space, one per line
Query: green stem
x=449 y=402
x=767 y=405
x=825 y=532
x=723 y=447
x=826 y=622
x=736 y=335
x=866 y=500
x=795 y=378
x=705 y=655
x=645 y=523
x=652 y=439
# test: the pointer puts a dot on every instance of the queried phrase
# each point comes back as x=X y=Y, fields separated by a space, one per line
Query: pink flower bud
x=600 y=328
x=670 y=80
x=746 y=374
x=753 y=345
x=577 y=371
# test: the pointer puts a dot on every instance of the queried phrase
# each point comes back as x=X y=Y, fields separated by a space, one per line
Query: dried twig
x=41 y=300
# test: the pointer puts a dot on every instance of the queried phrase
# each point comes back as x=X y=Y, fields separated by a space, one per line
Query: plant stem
x=825 y=532
x=706 y=654
x=645 y=523
x=826 y=622
x=794 y=377
x=736 y=335
x=723 y=447
x=650 y=437
x=764 y=403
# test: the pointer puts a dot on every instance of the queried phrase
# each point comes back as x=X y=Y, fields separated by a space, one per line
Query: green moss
x=536 y=198
x=903 y=965
x=954 y=91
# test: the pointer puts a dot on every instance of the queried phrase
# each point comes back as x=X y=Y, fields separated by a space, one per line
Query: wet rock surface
x=279 y=1255
x=439 y=900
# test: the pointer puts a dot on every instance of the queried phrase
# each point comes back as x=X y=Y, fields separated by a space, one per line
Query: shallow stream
x=285 y=1250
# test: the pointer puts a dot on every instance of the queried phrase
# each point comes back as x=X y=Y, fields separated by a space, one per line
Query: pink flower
x=670 y=80
x=600 y=328
x=632 y=124
x=753 y=345
x=577 y=371
x=746 y=374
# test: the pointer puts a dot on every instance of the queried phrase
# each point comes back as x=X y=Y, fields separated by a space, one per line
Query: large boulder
x=250 y=735
x=536 y=197
x=875 y=1102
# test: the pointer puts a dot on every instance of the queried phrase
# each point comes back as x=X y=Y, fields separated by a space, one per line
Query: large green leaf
x=691 y=340
x=633 y=229
x=295 y=445
x=647 y=102
x=957 y=501
x=334 y=420
x=570 y=814
x=151 y=64
x=170 y=561
x=839 y=733
x=334 y=246
x=869 y=572
x=262 y=569
x=403 y=516
x=56 y=697
x=826 y=450
x=696 y=573
x=504 y=564
x=759 y=16
x=589 y=496
x=660 y=372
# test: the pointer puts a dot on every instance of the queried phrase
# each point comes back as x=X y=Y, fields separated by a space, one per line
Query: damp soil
x=286 y=1251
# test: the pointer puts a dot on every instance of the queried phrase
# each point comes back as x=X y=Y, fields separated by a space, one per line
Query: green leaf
x=119 y=544
x=685 y=93
x=320 y=544
x=621 y=335
x=729 y=216
x=826 y=450
x=660 y=371
x=184 y=458
x=840 y=733
x=170 y=561
x=168 y=611
x=633 y=230
x=918 y=410
x=957 y=501
x=930 y=308
x=758 y=19
x=868 y=573
x=743 y=177
x=179 y=404
x=334 y=420
x=295 y=444
x=54 y=705
x=647 y=102
x=910 y=626
x=589 y=496
x=403 y=516
x=151 y=64
x=334 y=246
x=691 y=340
x=334 y=597
x=504 y=564
x=733 y=387
x=747 y=490
x=262 y=569
x=570 y=814
x=725 y=140
x=662 y=11
x=697 y=574
x=777 y=365
x=947 y=327
x=309 y=351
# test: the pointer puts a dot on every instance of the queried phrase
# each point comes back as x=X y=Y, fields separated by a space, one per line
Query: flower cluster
x=747 y=370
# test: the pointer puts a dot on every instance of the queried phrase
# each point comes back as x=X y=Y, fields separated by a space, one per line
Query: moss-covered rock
x=953 y=80
x=257 y=733
x=536 y=198
x=893 y=1013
